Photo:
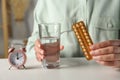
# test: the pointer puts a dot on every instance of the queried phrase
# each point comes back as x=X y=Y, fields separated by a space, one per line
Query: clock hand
x=17 y=56
x=20 y=57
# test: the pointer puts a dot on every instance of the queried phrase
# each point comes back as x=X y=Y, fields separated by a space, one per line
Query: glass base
x=50 y=65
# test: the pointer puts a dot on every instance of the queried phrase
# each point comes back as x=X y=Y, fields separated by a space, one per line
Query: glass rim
x=49 y=23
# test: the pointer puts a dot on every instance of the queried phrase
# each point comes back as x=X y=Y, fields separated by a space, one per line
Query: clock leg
x=23 y=67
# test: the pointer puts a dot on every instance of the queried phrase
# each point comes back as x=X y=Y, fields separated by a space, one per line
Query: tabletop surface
x=70 y=69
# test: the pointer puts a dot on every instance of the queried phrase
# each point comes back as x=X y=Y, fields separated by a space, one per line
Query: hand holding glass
x=49 y=34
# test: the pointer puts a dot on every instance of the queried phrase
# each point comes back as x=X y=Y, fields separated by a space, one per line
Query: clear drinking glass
x=49 y=34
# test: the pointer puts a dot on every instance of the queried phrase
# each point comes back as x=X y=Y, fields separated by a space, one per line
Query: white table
x=71 y=69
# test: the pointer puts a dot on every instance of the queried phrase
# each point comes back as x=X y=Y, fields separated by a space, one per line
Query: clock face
x=17 y=58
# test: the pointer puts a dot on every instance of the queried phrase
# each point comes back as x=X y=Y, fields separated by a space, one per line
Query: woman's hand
x=107 y=53
x=40 y=52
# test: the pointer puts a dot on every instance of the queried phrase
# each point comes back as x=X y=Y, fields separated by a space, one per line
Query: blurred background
x=16 y=22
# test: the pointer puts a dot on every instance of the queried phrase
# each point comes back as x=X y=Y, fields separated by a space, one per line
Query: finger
x=106 y=63
x=39 y=57
x=38 y=47
x=38 y=50
x=61 y=47
x=105 y=44
x=38 y=43
x=110 y=63
x=117 y=64
x=106 y=50
x=108 y=57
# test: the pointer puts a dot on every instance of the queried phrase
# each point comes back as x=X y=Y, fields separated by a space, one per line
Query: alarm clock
x=17 y=56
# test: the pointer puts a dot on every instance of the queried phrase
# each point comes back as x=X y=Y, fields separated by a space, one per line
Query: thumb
x=61 y=47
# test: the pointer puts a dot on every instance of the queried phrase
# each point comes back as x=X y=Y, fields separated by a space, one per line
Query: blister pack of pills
x=83 y=38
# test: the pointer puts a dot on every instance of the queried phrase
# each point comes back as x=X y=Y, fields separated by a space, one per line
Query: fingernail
x=96 y=57
x=97 y=61
x=42 y=57
x=92 y=52
x=100 y=62
x=42 y=52
x=91 y=47
x=39 y=45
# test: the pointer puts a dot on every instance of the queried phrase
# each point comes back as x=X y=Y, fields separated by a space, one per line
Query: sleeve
x=35 y=34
